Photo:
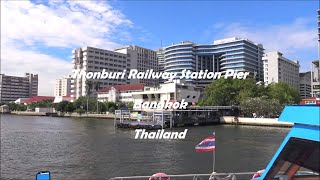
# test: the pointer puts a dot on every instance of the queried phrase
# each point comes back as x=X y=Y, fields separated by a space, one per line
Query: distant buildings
x=315 y=79
x=232 y=53
x=305 y=84
x=15 y=87
x=277 y=68
x=62 y=87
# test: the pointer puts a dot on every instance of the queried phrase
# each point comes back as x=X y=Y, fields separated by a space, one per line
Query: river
x=79 y=148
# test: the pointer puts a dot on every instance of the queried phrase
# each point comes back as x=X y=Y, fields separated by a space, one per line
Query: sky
x=38 y=36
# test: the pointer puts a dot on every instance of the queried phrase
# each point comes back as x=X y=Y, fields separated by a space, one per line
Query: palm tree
x=89 y=85
x=97 y=87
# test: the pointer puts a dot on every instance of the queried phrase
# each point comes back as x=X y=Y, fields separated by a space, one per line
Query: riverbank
x=273 y=122
x=102 y=116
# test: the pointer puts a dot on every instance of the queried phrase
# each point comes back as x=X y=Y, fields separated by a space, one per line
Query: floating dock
x=158 y=119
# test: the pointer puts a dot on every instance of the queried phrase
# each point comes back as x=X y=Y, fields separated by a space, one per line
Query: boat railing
x=213 y=176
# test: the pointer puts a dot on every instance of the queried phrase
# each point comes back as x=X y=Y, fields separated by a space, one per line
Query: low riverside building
x=119 y=93
x=170 y=91
x=277 y=69
x=15 y=87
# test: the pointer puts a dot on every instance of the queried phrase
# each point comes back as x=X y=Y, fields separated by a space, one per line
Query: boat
x=297 y=158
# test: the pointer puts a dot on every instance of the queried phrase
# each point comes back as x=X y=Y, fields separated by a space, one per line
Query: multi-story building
x=277 y=68
x=62 y=87
x=220 y=56
x=142 y=59
x=90 y=59
x=15 y=87
x=305 y=84
x=315 y=79
x=161 y=62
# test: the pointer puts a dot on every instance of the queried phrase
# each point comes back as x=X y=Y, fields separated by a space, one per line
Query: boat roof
x=301 y=114
x=306 y=119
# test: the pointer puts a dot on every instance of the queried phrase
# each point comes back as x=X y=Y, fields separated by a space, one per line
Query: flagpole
x=214 y=156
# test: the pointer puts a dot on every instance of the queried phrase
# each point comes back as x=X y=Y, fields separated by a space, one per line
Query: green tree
x=284 y=93
x=61 y=106
x=224 y=92
x=80 y=111
x=261 y=106
x=69 y=107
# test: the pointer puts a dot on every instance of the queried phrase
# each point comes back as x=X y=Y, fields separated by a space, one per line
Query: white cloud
x=25 y=26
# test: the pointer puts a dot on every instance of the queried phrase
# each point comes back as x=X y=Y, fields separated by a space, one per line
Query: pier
x=157 y=119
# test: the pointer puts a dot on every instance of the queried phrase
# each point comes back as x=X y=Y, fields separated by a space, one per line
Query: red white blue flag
x=208 y=144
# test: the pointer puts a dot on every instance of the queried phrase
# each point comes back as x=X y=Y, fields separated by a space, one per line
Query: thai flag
x=208 y=144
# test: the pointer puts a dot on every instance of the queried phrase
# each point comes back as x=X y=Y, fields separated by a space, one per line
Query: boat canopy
x=299 y=152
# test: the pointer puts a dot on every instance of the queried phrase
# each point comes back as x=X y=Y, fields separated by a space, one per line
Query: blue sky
x=42 y=34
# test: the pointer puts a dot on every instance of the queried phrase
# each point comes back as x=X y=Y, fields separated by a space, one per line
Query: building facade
x=220 y=56
x=119 y=93
x=305 y=84
x=90 y=59
x=161 y=61
x=277 y=68
x=15 y=87
x=62 y=87
x=170 y=91
x=315 y=79
x=142 y=59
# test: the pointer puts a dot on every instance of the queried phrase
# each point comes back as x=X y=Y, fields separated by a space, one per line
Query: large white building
x=277 y=68
x=90 y=59
x=222 y=55
x=15 y=87
x=62 y=87
x=142 y=59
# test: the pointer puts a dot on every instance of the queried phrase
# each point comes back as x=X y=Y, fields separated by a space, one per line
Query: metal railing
x=213 y=176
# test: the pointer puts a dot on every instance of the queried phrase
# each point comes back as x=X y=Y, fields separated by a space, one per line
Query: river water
x=79 y=148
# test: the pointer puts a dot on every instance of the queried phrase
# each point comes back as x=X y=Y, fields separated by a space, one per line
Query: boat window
x=297 y=161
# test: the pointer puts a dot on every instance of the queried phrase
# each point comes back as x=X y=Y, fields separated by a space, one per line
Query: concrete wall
x=254 y=121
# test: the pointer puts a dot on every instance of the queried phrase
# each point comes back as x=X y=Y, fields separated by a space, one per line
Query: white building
x=280 y=69
x=305 y=84
x=119 y=93
x=62 y=87
x=142 y=59
x=315 y=79
x=171 y=92
x=90 y=59
x=15 y=87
